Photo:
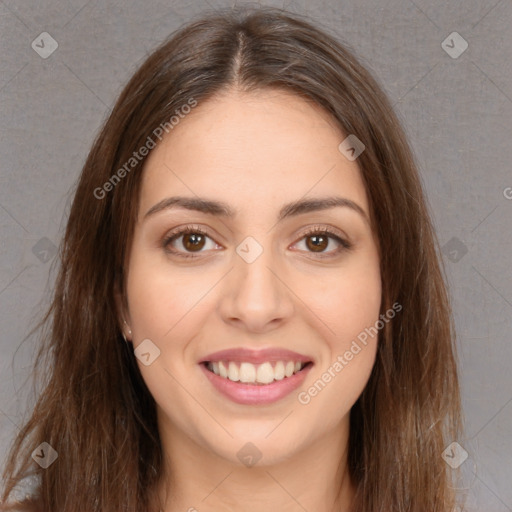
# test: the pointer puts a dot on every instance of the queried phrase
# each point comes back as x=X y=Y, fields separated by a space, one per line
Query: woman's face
x=253 y=292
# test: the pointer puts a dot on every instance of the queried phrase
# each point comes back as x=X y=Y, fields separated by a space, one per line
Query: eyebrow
x=221 y=209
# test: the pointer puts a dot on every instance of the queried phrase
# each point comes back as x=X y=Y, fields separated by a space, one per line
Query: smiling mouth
x=256 y=374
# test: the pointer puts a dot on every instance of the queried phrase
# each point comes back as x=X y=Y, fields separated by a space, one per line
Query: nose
x=256 y=295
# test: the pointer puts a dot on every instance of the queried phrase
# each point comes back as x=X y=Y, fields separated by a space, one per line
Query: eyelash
x=315 y=230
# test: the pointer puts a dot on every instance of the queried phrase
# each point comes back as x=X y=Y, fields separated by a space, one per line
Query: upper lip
x=256 y=356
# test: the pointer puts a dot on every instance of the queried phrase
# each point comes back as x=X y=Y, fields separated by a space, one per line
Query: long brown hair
x=95 y=409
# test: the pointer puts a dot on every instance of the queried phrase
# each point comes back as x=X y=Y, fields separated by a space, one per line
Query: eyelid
x=332 y=233
x=327 y=228
x=180 y=231
x=316 y=229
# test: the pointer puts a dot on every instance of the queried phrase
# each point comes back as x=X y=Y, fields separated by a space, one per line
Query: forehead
x=252 y=149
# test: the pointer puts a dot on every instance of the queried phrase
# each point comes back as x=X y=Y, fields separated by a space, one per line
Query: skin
x=255 y=151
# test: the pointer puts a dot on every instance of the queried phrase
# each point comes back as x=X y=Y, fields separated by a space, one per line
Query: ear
x=123 y=316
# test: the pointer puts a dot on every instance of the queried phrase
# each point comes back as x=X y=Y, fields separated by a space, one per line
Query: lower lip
x=248 y=394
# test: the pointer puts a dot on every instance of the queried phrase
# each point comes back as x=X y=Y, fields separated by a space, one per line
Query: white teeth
x=279 y=371
x=249 y=373
x=223 y=371
x=288 y=371
x=265 y=374
x=233 y=372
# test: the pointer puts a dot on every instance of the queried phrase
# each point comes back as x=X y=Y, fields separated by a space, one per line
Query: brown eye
x=188 y=242
x=317 y=243
x=318 y=239
x=193 y=241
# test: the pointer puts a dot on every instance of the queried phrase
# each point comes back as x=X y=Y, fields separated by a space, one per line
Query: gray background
x=457 y=112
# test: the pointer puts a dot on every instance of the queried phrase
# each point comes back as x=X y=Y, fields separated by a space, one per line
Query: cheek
x=159 y=299
x=346 y=300
x=349 y=310
x=165 y=307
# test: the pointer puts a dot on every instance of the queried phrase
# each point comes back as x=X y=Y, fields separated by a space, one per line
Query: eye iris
x=196 y=243
x=317 y=246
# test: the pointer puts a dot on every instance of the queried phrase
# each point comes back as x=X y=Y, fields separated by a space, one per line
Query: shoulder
x=24 y=497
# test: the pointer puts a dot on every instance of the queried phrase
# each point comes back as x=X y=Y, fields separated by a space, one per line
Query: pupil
x=319 y=241
x=195 y=242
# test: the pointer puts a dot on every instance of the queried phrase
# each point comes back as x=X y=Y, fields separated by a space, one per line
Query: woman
x=250 y=311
